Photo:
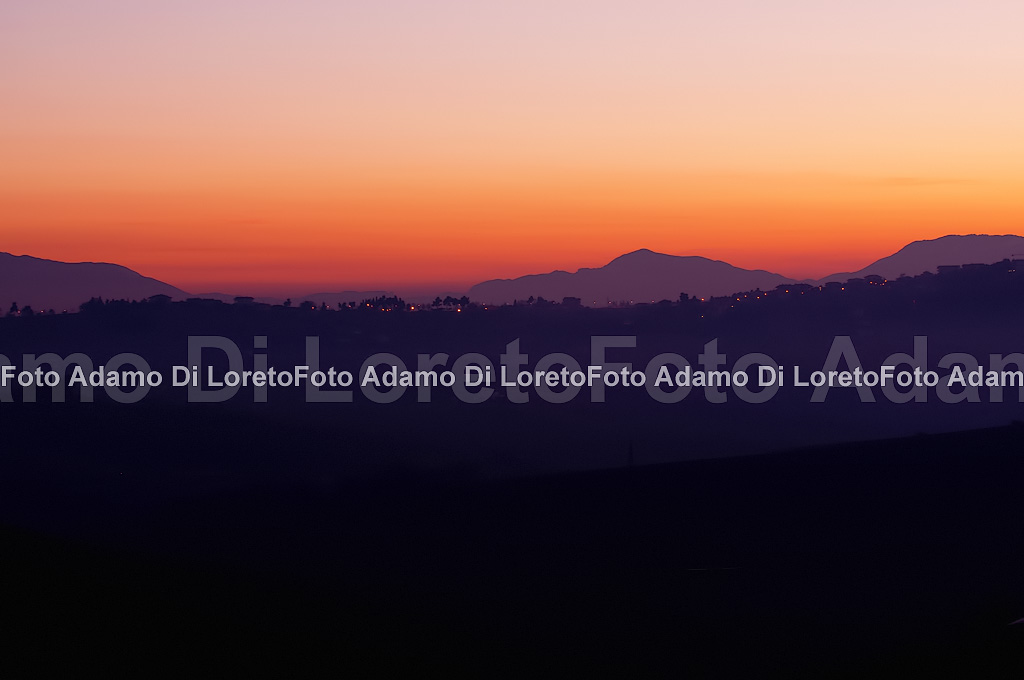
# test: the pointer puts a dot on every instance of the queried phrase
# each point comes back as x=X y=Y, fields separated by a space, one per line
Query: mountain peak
x=648 y=255
x=639 y=255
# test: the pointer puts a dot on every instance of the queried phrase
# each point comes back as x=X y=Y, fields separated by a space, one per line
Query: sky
x=268 y=147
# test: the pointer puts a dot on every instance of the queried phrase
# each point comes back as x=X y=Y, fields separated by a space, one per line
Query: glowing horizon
x=251 y=147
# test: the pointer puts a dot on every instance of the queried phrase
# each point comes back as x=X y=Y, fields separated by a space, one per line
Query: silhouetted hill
x=48 y=284
x=640 y=276
x=926 y=256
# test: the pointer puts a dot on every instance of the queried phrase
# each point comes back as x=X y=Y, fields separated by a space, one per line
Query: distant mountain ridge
x=49 y=284
x=640 y=276
x=63 y=286
x=927 y=255
x=645 y=276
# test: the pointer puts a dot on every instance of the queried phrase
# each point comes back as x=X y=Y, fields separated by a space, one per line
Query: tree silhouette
x=391 y=303
x=94 y=304
x=14 y=309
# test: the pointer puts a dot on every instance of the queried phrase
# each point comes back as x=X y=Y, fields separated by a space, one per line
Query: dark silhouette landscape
x=784 y=538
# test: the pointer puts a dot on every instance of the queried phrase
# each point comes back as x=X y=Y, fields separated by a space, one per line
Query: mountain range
x=646 y=276
x=639 y=276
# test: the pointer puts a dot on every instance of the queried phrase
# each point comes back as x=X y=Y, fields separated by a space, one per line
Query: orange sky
x=279 y=148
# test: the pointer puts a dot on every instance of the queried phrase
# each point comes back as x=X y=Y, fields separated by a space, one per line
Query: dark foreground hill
x=898 y=557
